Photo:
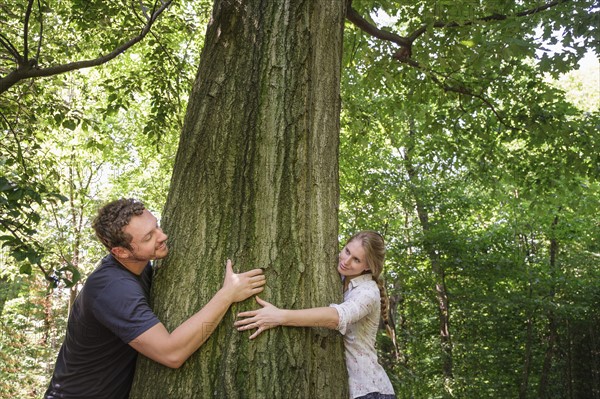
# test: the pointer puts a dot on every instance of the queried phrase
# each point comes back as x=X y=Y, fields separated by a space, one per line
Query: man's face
x=148 y=240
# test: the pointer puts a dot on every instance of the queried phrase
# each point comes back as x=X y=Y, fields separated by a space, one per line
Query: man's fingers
x=258 y=282
x=253 y=272
x=228 y=267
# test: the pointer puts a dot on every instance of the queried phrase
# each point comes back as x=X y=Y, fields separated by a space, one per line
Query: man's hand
x=172 y=349
x=267 y=317
x=243 y=285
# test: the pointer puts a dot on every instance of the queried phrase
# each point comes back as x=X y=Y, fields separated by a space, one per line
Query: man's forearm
x=173 y=349
x=192 y=333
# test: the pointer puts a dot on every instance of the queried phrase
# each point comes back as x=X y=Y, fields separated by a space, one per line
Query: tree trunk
x=523 y=386
x=595 y=358
x=569 y=354
x=529 y=337
x=76 y=227
x=256 y=180
x=437 y=268
x=552 y=323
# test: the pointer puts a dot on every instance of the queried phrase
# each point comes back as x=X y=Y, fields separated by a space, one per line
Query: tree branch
x=353 y=16
x=30 y=70
x=5 y=147
x=406 y=42
x=493 y=17
x=11 y=49
x=26 y=31
x=39 y=48
x=404 y=53
x=460 y=90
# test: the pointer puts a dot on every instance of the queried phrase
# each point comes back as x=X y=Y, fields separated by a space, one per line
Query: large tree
x=256 y=180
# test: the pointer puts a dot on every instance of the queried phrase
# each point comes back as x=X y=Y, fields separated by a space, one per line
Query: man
x=111 y=321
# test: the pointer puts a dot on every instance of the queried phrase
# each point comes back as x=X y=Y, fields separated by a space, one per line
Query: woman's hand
x=267 y=317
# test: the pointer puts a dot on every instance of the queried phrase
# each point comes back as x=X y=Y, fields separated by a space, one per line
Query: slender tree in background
x=433 y=255
x=256 y=180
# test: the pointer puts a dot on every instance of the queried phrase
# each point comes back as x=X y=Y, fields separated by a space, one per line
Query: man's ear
x=120 y=252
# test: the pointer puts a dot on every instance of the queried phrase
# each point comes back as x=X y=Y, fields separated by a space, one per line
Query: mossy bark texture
x=256 y=180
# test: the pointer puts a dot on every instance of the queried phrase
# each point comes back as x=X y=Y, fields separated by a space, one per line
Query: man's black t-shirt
x=95 y=360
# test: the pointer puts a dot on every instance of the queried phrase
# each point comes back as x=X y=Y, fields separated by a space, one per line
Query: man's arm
x=270 y=316
x=173 y=349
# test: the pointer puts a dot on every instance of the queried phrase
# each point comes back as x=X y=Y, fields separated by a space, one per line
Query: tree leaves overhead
x=127 y=111
x=54 y=37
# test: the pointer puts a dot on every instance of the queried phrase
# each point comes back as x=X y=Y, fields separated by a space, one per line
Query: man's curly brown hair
x=111 y=219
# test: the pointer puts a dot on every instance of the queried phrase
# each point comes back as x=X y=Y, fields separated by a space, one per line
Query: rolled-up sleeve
x=354 y=308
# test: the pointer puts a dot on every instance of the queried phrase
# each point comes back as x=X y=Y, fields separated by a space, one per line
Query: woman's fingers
x=244 y=324
x=247 y=324
x=262 y=302
x=249 y=313
x=257 y=290
x=256 y=318
x=256 y=333
x=245 y=327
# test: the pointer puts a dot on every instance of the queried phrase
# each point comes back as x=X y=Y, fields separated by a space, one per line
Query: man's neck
x=134 y=266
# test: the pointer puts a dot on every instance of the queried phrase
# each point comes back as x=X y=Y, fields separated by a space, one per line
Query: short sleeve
x=355 y=307
x=123 y=308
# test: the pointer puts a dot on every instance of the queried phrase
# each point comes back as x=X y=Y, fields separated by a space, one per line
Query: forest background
x=474 y=150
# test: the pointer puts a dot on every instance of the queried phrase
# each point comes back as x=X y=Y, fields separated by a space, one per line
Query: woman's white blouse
x=358 y=323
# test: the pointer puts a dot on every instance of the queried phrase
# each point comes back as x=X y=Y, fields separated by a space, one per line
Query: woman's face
x=352 y=260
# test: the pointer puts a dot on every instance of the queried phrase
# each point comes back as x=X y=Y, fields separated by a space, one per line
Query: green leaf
x=69 y=124
x=25 y=268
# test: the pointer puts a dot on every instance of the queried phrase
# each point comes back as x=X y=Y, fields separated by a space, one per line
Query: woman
x=357 y=318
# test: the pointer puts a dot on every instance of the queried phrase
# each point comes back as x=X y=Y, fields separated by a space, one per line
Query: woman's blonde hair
x=374 y=246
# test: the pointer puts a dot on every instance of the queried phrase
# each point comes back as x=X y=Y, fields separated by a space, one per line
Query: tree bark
x=530 y=322
x=552 y=322
x=523 y=386
x=441 y=292
x=256 y=180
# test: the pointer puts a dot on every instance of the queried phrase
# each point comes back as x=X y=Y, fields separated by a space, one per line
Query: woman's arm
x=270 y=316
